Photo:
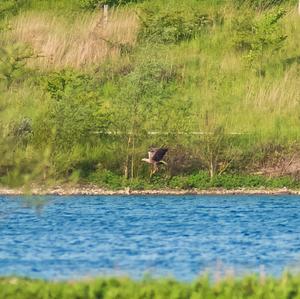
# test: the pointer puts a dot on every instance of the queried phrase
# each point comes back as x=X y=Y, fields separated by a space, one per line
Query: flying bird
x=155 y=158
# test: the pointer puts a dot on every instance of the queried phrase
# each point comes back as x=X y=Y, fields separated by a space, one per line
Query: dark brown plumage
x=155 y=156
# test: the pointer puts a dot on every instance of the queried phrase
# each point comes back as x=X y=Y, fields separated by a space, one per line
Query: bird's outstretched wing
x=152 y=152
x=159 y=154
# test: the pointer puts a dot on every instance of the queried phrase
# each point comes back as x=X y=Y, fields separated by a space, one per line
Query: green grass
x=286 y=287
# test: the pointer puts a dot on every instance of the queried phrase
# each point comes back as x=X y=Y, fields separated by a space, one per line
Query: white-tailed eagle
x=155 y=157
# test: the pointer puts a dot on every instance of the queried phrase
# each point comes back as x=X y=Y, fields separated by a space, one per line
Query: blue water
x=178 y=236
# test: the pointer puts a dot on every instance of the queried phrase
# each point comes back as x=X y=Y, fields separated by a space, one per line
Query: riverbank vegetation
x=85 y=93
x=199 y=181
x=250 y=287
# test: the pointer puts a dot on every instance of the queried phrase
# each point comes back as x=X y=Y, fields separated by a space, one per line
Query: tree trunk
x=132 y=157
x=126 y=169
x=105 y=16
x=212 y=167
x=127 y=158
x=211 y=171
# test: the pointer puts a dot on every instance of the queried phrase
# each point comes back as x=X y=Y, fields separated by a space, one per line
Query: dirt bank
x=93 y=190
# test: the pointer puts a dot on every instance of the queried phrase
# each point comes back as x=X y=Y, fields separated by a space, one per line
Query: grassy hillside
x=83 y=95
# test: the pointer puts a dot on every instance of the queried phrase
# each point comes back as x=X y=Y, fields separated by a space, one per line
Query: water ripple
x=71 y=237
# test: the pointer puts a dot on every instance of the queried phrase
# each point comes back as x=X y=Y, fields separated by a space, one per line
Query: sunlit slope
x=213 y=74
x=165 y=72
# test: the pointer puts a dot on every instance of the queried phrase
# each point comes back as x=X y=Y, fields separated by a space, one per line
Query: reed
x=80 y=41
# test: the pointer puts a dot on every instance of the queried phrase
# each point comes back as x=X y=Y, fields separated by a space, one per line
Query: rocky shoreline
x=94 y=190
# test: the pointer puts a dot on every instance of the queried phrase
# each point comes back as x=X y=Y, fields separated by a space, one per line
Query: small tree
x=10 y=7
x=171 y=26
x=72 y=120
x=216 y=150
x=259 y=38
x=12 y=63
x=141 y=97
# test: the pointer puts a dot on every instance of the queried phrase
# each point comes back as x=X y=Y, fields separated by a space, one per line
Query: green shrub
x=107 y=179
x=71 y=123
x=21 y=130
x=228 y=181
x=281 y=182
x=10 y=7
x=141 y=93
x=259 y=38
x=74 y=113
x=200 y=180
x=13 y=63
x=138 y=184
x=167 y=26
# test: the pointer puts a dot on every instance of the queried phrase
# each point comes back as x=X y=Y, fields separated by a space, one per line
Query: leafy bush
x=259 y=39
x=138 y=184
x=75 y=112
x=106 y=179
x=281 y=182
x=200 y=180
x=169 y=27
x=230 y=181
x=21 y=130
x=12 y=63
x=72 y=120
x=142 y=92
x=8 y=7
x=179 y=182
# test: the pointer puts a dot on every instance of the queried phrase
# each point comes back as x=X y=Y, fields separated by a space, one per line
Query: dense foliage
x=82 y=97
x=8 y=7
x=287 y=287
x=169 y=26
x=200 y=181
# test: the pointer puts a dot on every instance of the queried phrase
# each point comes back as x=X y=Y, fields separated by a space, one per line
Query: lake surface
x=180 y=236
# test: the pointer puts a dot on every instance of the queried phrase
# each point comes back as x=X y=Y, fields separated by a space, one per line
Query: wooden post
x=105 y=15
x=206 y=118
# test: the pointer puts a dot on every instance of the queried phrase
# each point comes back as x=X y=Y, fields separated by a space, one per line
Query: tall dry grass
x=86 y=40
